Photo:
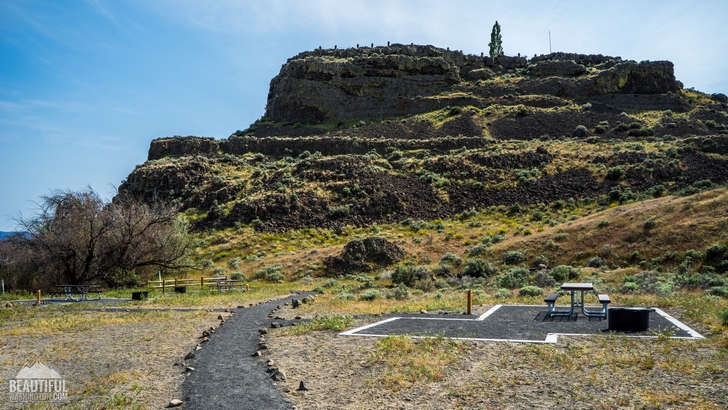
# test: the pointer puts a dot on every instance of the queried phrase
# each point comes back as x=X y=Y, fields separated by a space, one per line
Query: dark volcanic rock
x=363 y=255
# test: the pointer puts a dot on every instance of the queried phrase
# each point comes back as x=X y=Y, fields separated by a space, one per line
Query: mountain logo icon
x=38 y=371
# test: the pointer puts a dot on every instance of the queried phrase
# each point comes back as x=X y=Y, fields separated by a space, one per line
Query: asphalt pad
x=515 y=324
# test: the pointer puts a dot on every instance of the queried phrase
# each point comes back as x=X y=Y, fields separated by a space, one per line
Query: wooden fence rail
x=219 y=283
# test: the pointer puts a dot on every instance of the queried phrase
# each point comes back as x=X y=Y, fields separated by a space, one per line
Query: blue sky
x=86 y=85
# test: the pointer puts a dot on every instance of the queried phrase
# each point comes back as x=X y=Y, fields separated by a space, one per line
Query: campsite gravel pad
x=522 y=323
x=226 y=376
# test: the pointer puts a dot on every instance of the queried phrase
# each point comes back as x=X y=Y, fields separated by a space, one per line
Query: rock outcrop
x=374 y=82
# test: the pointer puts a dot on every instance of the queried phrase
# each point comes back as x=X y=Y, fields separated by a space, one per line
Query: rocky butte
x=408 y=132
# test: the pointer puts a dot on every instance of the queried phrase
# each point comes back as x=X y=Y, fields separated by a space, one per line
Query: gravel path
x=226 y=376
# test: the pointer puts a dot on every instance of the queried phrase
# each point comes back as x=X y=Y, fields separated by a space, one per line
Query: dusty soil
x=577 y=373
x=108 y=359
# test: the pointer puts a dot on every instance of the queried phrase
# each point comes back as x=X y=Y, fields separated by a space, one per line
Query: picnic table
x=227 y=284
x=577 y=302
x=75 y=293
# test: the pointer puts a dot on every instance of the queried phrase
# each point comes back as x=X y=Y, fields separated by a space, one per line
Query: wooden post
x=247 y=287
x=38 y=297
x=175 y=282
x=470 y=302
x=164 y=282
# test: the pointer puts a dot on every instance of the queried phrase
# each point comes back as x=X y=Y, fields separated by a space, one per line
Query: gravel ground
x=226 y=376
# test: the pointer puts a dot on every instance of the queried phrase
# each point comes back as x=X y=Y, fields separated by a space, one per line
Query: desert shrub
x=219 y=271
x=399 y=293
x=515 y=278
x=615 y=173
x=650 y=223
x=477 y=267
x=654 y=282
x=603 y=223
x=275 y=277
x=451 y=258
x=721 y=291
x=540 y=260
x=319 y=290
x=563 y=273
x=715 y=253
x=629 y=287
x=478 y=250
x=537 y=215
x=561 y=236
x=503 y=293
x=346 y=295
x=596 y=262
x=264 y=272
x=369 y=295
x=239 y=275
x=530 y=291
x=205 y=263
x=544 y=280
x=513 y=257
x=711 y=124
x=234 y=263
x=425 y=285
x=724 y=317
x=656 y=191
x=409 y=275
x=703 y=184
x=331 y=283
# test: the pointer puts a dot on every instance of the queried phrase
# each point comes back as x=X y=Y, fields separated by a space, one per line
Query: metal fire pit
x=629 y=319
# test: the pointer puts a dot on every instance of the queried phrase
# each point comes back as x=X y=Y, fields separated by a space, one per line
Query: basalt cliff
x=383 y=134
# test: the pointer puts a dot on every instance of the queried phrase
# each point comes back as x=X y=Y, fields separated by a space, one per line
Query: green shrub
x=369 y=295
x=561 y=236
x=530 y=291
x=563 y=273
x=615 y=173
x=234 y=263
x=724 y=317
x=721 y=291
x=319 y=290
x=513 y=257
x=275 y=277
x=409 y=275
x=515 y=278
x=219 y=271
x=346 y=295
x=650 y=223
x=503 y=293
x=239 y=275
x=603 y=223
x=478 y=268
x=399 y=293
x=596 y=262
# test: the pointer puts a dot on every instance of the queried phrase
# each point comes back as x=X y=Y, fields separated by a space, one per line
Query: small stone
x=302 y=386
x=219 y=317
x=278 y=307
x=189 y=356
x=198 y=347
x=262 y=346
x=205 y=340
x=175 y=403
x=279 y=318
x=8 y=305
x=295 y=303
x=298 y=317
x=263 y=331
x=278 y=376
x=269 y=362
x=189 y=369
x=256 y=354
x=275 y=325
x=241 y=307
x=423 y=311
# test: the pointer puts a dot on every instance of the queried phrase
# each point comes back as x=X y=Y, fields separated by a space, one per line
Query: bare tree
x=78 y=238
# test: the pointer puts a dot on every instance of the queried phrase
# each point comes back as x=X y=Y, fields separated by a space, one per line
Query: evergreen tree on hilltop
x=496 y=43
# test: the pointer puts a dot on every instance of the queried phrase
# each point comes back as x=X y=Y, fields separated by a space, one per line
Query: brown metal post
x=38 y=297
x=470 y=302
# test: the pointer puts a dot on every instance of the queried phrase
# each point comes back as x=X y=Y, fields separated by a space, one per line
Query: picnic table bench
x=228 y=284
x=75 y=293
